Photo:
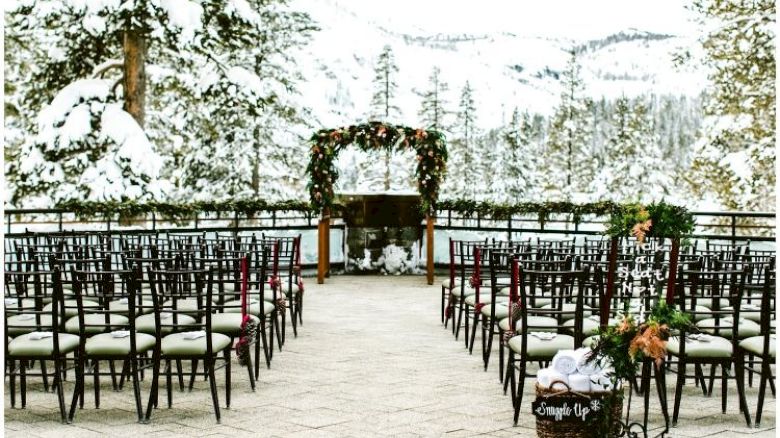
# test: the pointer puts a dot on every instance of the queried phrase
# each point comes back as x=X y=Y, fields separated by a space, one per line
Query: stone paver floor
x=371 y=360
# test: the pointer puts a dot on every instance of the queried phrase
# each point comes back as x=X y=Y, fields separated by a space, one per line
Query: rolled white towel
x=579 y=382
x=602 y=383
x=546 y=376
x=565 y=362
x=585 y=365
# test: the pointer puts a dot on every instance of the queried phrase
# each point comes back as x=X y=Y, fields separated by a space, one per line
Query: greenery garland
x=499 y=211
x=327 y=143
x=658 y=219
x=178 y=210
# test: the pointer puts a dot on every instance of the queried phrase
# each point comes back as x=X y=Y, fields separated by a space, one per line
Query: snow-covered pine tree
x=433 y=109
x=263 y=156
x=383 y=108
x=100 y=58
x=568 y=159
x=464 y=179
x=635 y=168
x=519 y=167
x=735 y=158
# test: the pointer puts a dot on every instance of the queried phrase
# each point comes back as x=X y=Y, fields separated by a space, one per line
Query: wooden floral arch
x=326 y=144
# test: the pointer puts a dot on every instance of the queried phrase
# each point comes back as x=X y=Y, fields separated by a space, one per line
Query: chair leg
x=501 y=356
x=168 y=382
x=300 y=308
x=180 y=374
x=442 y=304
x=193 y=373
x=96 y=380
x=78 y=392
x=294 y=320
x=765 y=374
x=284 y=330
x=136 y=387
x=488 y=345
x=226 y=355
x=460 y=319
x=660 y=383
x=470 y=342
x=279 y=331
x=509 y=369
x=520 y=387
x=155 y=387
x=739 y=372
x=45 y=376
x=60 y=392
x=12 y=383
x=23 y=382
x=213 y=384
x=466 y=324
x=681 y=368
x=724 y=368
x=112 y=371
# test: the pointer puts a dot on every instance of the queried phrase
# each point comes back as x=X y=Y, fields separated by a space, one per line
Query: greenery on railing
x=654 y=220
x=658 y=219
x=178 y=210
x=501 y=211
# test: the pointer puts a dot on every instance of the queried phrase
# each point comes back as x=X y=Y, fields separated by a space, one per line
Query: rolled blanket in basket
x=546 y=376
x=585 y=365
x=579 y=382
x=565 y=362
x=602 y=383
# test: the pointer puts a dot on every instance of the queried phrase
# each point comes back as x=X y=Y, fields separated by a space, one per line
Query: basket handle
x=564 y=391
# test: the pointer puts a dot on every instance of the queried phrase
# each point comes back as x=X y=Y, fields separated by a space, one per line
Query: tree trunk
x=134 y=46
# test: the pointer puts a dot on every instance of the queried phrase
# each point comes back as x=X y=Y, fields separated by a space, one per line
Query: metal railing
x=733 y=226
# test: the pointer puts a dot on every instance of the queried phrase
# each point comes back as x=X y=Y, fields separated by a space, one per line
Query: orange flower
x=625 y=325
x=640 y=230
x=649 y=341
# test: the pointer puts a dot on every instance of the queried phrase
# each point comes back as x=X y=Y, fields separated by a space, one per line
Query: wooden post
x=323 y=247
x=134 y=80
x=429 y=220
x=674 y=256
x=606 y=300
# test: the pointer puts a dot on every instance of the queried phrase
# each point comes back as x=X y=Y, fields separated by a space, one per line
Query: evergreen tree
x=383 y=108
x=465 y=162
x=433 y=112
x=735 y=158
x=569 y=160
x=520 y=164
x=119 y=75
x=635 y=168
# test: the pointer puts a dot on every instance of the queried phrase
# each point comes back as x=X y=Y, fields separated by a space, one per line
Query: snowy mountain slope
x=505 y=69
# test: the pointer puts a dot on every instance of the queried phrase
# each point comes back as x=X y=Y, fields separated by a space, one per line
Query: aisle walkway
x=371 y=360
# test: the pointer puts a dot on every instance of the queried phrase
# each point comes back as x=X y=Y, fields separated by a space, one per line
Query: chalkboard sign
x=569 y=408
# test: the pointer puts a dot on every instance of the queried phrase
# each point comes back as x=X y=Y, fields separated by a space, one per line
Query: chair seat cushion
x=748 y=312
x=468 y=290
x=95 y=323
x=24 y=345
x=71 y=307
x=105 y=344
x=538 y=348
x=253 y=308
x=590 y=324
x=176 y=344
x=146 y=323
x=228 y=323
x=26 y=323
x=502 y=310
x=286 y=288
x=13 y=303
x=484 y=297
x=143 y=305
x=537 y=323
x=755 y=345
x=716 y=347
x=746 y=328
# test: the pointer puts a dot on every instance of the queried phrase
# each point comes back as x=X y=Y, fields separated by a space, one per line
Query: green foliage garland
x=178 y=210
x=666 y=220
x=327 y=143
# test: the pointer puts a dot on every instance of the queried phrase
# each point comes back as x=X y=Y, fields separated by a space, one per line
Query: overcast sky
x=575 y=19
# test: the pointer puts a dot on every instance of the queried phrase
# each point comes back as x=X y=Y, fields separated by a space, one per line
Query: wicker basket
x=546 y=428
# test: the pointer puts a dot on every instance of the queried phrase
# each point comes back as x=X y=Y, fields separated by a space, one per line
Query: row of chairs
x=153 y=305
x=558 y=287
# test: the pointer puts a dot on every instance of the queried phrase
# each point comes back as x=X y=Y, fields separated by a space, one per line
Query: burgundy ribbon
x=244 y=314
